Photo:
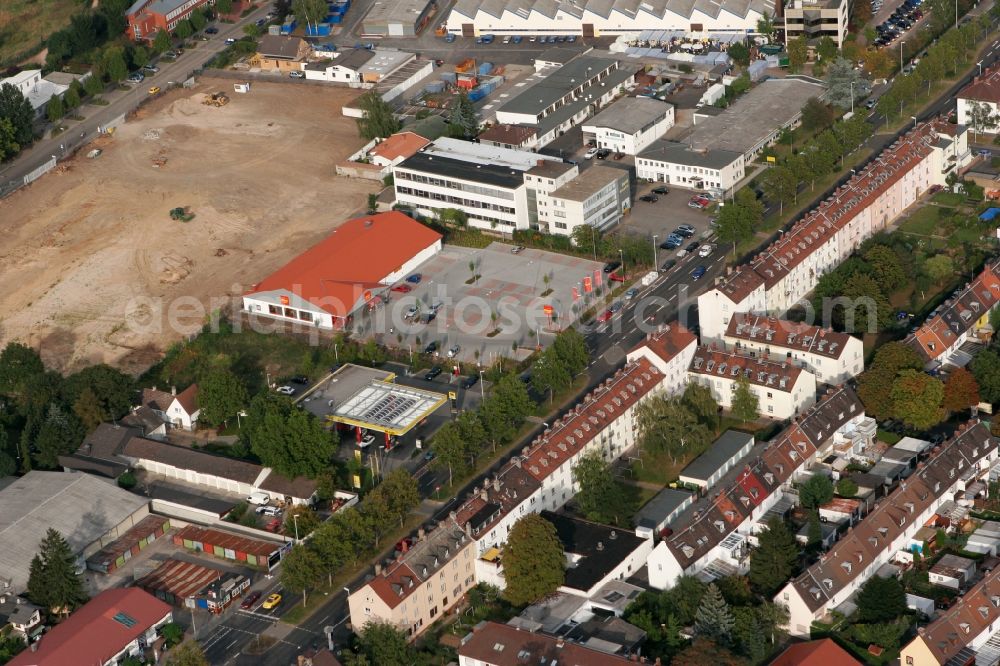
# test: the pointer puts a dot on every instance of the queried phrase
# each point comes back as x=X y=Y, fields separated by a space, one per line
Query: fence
x=38 y=172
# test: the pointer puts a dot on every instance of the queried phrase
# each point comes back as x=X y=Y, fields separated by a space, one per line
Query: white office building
x=596 y=198
x=629 y=125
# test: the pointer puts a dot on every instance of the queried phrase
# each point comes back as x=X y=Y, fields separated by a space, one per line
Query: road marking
x=235 y=641
x=345 y=618
x=672 y=298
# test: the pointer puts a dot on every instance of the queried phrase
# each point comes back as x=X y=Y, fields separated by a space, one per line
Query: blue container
x=450 y=77
x=435 y=87
x=321 y=30
x=336 y=20
x=485 y=68
x=476 y=94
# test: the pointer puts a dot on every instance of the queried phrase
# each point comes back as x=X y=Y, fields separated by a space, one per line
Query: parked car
x=136 y=77
x=488 y=39
x=250 y=600
x=271 y=511
x=415 y=278
x=258 y=498
x=454 y=351
x=615 y=307
x=660 y=190
x=668 y=264
x=692 y=246
x=611 y=265
x=296 y=74
x=431 y=348
x=300 y=379
x=368 y=438
x=685 y=231
x=229 y=40
x=603 y=153
x=605 y=316
x=706 y=250
x=285 y=390
x=631 y=293
x=589 y=155
x=649 y=198
x=429 y=456
x=470 y=381
x=402 y=288
x=698 y=273
x=616 y=277
x=211 y=30
x=506 y=40
x=571 y=39
x=152 y=69
x=272 y=601
x=433 y=373
x=449 y=38
x=154 y=90
x=411 y=312
x=517 y=249
x=517 y=39
x=672 y=243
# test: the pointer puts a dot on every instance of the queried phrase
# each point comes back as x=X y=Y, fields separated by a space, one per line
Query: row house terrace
x=670 y=350
x=782 y=389
x=833 y=357
x=887 y=529
x=433 y=575
x=962 y=318
x=789 y=268
x=710 y=538
x=961 y=632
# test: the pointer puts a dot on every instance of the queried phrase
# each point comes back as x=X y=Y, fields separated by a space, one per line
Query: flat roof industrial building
x=396 y=18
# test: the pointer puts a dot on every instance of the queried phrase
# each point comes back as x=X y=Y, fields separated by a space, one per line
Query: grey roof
x=81 y=507
x=754 y=116
x=154 y=7
x=570 y=109
x=589 y=182
x=552 y=85
x=649 y=11
x=354 y=59
x=598 y=548
x=662 y=150
x=631 y=115
x=549 y=168
x=486 y=174
x=559 y=54
x=384 y=12
x=664 y=503
x=15 y=610
x=285 y=47
x=723 y=450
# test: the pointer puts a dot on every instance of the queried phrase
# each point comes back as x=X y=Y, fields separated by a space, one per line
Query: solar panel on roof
x=125 y=620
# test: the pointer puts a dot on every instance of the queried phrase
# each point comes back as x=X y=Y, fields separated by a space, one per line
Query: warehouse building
x=629 y=125
x=594 y=18
x=397 y=18
x=327 y=284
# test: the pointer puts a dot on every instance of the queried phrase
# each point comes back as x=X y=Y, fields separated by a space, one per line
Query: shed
x=255 y=552
x=660 y=511
x=724 y=454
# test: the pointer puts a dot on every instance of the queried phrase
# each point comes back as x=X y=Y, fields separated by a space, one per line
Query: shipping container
x=476 y=95
x=435 y=86
x=450 y=77
x=465 y=65
x=334 y=20
x=320 y=30
x=485 y=68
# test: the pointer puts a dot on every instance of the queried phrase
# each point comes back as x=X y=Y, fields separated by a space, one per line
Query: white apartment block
x=787 y=271
x=597 y=198
x=612 y=17
x=814 y=19
x=670 y=350
x=833 y=357
x=979 y=103
x=782 y=389
x=710 y=538
x=677 y=164
x=629 y=125
x=888 y=528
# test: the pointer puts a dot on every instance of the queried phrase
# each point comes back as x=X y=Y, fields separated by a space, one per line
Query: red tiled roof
x=179 y=579
x=777 y=375
x=92 y=635
x=823 y=652
x=985 y=88
x=973 y=613
x=334 y=274
x=189 y=399
x=510 y=135
x=399 y=145
x=668 y=342
x=893 y=515
x=495 y=644
x=784 y=334
x=822 y=223
x=575 y=429
x=958 y=314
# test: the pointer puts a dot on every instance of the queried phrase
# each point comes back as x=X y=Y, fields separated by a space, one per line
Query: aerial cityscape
x=499 y=332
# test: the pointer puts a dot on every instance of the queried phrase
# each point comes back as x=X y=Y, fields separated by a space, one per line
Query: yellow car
x=272 y=601
x=154 y=90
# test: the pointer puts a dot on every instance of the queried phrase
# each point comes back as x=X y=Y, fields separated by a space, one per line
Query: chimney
x=378 y=568
x=496 y=484
x=173 y=390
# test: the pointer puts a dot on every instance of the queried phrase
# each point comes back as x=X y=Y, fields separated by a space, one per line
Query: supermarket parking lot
x=665 y=215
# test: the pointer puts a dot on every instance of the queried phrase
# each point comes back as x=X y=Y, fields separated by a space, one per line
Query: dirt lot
x=83 y=246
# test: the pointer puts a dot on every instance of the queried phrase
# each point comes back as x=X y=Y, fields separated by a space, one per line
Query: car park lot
x=453 y=309
x=662 y=217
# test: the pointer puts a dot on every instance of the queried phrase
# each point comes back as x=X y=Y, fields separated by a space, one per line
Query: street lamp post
x=295 y=519
x=852 y=98
x=901 y=56
x=482 y=386
x=621 y=255
x=656 y=260
x=980 y=64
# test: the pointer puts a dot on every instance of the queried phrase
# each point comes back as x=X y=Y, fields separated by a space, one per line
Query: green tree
x=312 y=12
x=113 y=64
x=384 y=644
x=765 y=25
x=740 y=54
x=88 y=409
x=188 y=653
x=533 y=560
x=198 y=21
x=220 y=396
x=875 y=384
x=463 y=123
x=289 y=440
x=71 y=100
x=985 y=368
x=58 y=435
x=93 y=85
x=816 y=115
x=815 y=491
x=917 y=398
x=746 y=406
x=17 y=109
x=571 y=350
x=847 y=488
x=173 y=634
x=798 y=52
x=53 y=582
x=667 y=426
x=886 y=267
x=113 y=388
x=714 y=619
x=378 y=120
x=773 y=561
x=827 y=48
x=18 y=364
x=511 y=397
x=733 y=225
x=703 y=651
x=699 y=399
x=451 y=451
x=301 y=568
x=960 y=391
x=224 y=7
x=139 y=56
x=550 y=374
x=881 y=600
x=845 y=85
x=939 y=268
x=9 y=147
x=185 y=30
x=780 y=186
x=251 y=30
x=162 y=40
x=402 y=493
x=601 y=498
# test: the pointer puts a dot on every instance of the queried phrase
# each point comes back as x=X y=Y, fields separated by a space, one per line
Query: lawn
x=925 y=221
x=25 y=24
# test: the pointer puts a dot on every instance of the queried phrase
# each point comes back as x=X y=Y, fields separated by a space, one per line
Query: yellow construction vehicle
x=216 y=99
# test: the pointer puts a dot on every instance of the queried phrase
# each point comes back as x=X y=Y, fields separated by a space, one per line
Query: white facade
x=817 y=18
x=624 y=137
x=179 y=417
x=676 y=164
x=827 y=370
x=597 y=198
x=670 y=350
x=781 y=392
x=37 y=90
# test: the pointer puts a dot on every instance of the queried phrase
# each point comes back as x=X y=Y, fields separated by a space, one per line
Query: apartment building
x=670 y=349
x=710 y=537
x=964 y=629
x=495 y=644
x=814 y=19
x=786 y=271
x=782 y=389
x=597 y=198
x=675 y=163
x=466 y=548
x=888 y=527
x=964 y=317
x=629 y=125
x=146 y=18
x=556 y=99
x=979 y=103
x=833 y=357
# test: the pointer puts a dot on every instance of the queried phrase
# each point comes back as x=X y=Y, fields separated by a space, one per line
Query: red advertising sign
x=597 y=277
x=548 y=309
x=588 y=285
x=576 y=294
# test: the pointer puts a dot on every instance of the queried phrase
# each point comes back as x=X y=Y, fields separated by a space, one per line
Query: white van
x=259 y=498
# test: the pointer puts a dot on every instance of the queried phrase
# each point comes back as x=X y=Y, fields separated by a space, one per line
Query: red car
x=250 y=600
x=616 y=277
x=605 y=316
x=402 y=288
